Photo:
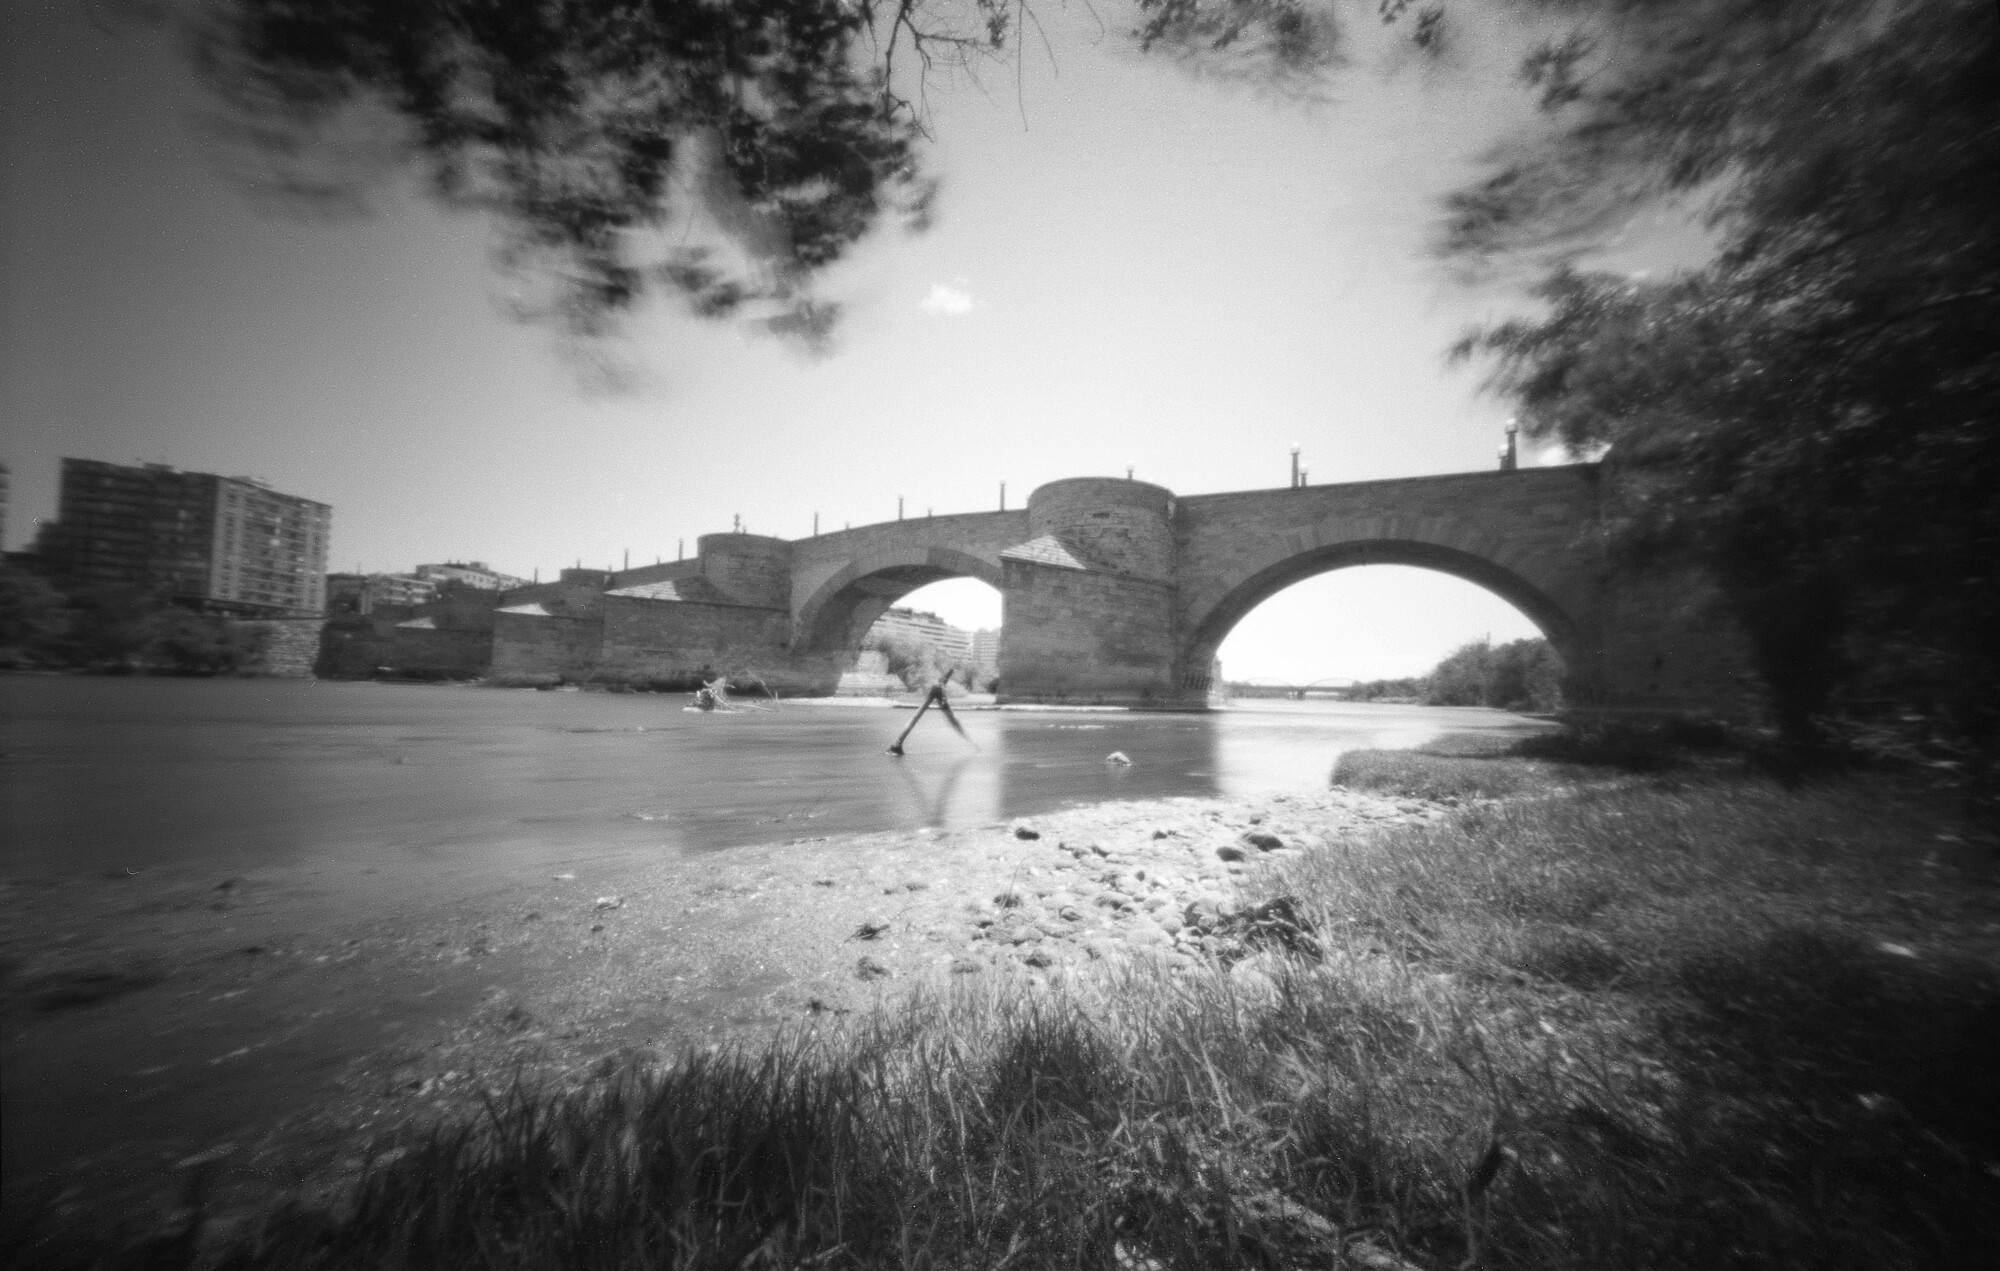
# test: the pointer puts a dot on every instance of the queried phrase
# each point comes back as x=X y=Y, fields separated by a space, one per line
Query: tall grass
x=1719 y=1025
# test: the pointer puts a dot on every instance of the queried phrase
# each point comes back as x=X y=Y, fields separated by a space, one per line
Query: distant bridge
x=1265 y=686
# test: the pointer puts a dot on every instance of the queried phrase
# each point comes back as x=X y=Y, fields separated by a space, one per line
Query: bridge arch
x=840 y=610
x=1434 y=543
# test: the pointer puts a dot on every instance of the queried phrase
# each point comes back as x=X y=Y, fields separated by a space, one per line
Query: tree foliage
x=1815 y=415
x=919 y=664
x=63 y=625
x=594 y=133
x=1517 y=675
x=1520 y=675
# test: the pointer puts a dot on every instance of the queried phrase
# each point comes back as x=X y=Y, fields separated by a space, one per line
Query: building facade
x=919 y=627
x=986 y=649
x=469 y=574
x=365 y=593
x=226 y=544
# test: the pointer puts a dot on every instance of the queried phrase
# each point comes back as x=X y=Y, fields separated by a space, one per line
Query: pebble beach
x=185 y=1017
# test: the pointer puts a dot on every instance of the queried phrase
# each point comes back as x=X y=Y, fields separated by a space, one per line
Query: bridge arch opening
x=1359 y=612
x=956 y=586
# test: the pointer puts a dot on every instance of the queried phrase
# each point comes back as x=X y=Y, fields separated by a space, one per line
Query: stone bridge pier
x=1120 y=592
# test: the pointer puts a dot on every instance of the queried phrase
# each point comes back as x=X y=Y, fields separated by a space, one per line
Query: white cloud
x=949 y=299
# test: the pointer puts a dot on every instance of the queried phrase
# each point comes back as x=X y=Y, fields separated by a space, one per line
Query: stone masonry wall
x=444 y=654
x=287 y=648
x=682 y=644
x=1085 y=637
x=749 y=569
x=531 y=649
x=1123 y=527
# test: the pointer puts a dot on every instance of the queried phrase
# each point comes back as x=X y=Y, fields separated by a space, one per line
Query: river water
x=240 y=775
x=234 y=905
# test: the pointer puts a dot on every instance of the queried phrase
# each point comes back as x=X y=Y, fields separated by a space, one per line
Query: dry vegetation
x=1658 y=1021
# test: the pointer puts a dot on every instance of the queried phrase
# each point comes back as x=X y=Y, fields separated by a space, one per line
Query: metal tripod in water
x=935 y=695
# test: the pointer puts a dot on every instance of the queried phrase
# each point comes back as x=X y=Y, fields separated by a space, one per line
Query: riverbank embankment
x=1662 y=1020
x=167 y=1014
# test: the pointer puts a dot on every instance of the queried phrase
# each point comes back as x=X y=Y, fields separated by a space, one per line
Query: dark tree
x=1816 y=414
x=594 y=132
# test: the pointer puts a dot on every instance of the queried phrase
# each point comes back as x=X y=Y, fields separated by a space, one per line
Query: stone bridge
x=1120 y=592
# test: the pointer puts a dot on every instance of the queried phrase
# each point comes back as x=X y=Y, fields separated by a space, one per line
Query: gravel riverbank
x=157 y=1018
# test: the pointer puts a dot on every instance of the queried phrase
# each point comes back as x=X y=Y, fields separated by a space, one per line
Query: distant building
x=226 y=544
x=986 y=649
x=365 y=593
x=919 y=627
x=470 y=574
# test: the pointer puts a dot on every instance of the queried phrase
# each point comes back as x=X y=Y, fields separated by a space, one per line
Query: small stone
x=563 y=878
x=1023 y=832
x=1232 y=853
x=1203 y=913
x=597 y=926
x=1039 y=958
x=1010 y=900
x=610 y=902
x=1262 y=841
x=822 y=882
x=869 y=969
x=1100 y=849
x=1070 y=913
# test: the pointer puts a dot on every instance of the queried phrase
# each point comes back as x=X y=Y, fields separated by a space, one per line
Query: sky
x=1132 y=266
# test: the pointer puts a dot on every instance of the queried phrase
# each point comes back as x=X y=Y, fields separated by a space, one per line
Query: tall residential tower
x=225 y=544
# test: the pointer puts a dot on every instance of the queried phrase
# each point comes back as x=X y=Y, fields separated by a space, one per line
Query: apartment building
x=920 y=627
x=470 y=574
x=227 y=544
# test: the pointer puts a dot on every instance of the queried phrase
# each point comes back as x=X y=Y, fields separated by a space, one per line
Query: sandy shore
x=202 y=1016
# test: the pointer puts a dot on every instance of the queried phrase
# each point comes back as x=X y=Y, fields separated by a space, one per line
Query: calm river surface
x=278 y=908
x=238 y=775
